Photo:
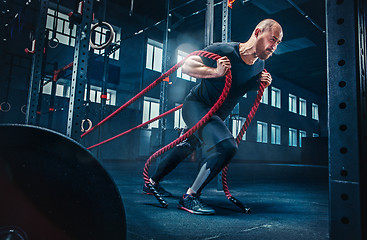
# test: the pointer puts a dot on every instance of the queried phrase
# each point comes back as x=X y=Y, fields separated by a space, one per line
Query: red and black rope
x=222 y=97
x=238 y=140
x=228 y=82
x=148 y=88
x=137 y=127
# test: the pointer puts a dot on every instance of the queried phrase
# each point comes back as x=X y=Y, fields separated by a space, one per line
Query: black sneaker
x=160 y=189
x=194 y=204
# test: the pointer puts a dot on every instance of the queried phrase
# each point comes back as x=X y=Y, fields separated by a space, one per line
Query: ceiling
x=300 y=59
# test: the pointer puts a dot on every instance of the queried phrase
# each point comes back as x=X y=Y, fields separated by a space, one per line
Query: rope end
x=157 y=195
x=239 y=204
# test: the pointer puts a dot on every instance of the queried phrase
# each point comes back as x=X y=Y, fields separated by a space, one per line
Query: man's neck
x=248 y=53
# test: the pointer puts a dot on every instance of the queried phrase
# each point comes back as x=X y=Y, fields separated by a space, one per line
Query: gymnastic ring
x=108 y=42
x=54 y=39
x=23 y=109
x=90 y=124
x=5 y=104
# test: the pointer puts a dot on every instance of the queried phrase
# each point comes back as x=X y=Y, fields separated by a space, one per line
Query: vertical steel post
x=226 y=22
x=79 y=72
x=346 y=118
x=209 y=22
x=362 y=44
x=104 y=82
x=53 y=96
x=165 y=61
x=40 y=94
x=37 y=62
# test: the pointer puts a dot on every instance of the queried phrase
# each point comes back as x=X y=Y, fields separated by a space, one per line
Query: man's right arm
x=195 y=67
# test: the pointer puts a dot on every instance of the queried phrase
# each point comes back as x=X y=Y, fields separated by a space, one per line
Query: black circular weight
x=51 y=187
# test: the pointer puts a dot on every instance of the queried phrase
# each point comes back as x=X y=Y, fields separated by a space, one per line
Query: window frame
x=303 y=107
x=237 y=123
x=292 y=134
x=155 y=62
x=277 y=132
x=292 y=103
x=276 y=97
x=146 y=118
x=265 y=97
x=301 y=134
x=178 y=121
x=315 y=111
x=264 y=132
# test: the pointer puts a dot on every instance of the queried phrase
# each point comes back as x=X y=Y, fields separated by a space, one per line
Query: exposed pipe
x=306 y=16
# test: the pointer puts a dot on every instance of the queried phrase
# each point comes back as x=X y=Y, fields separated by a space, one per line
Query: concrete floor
x=288 y=202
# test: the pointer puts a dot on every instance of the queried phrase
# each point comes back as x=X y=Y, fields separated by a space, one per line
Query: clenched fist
x=266 y=78
x=223 y=64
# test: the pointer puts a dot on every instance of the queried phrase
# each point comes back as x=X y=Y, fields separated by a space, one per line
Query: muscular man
x=246 y=61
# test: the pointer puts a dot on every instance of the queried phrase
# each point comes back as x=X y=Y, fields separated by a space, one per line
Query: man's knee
x=227 y=148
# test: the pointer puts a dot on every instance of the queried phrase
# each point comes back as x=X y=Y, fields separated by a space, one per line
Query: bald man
x=246 y=61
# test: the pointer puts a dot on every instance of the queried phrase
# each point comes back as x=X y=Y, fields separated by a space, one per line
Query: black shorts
x=213 y=131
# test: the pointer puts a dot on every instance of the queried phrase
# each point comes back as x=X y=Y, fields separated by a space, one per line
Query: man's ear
x=257 y=32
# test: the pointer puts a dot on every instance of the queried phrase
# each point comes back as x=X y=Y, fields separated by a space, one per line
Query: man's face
x=268 y=41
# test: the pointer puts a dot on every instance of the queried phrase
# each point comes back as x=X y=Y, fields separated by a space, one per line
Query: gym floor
x=287 y=202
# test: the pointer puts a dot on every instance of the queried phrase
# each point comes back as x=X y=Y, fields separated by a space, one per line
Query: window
x=237 y=123
x=302 y=107
x=265 y=98
x=275 y=97
x=154 y=55
x=275 y=134
x=150 y=111
x=292 y=137
x=302 y=134
x=62 y=88
x=96 y=92
x=262 y=132
x=315 y=111
x=181 y=55
x=315 y=135
x=292 y=103
x=179 y=122
x=63 y=32
x=111 y=97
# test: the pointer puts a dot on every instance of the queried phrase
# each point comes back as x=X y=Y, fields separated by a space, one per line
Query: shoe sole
x=194 y=212
x=146 y=193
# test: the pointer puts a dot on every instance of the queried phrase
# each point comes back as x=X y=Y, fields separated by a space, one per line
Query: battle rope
x=238 y=140
x=139 y=126
x=147 y=89
x=191 y=131
x=198 y=125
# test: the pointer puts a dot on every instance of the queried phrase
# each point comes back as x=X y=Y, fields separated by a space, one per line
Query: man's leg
x=214 y=161
x=170 y=162
x=174 y=157
x=221 y=148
